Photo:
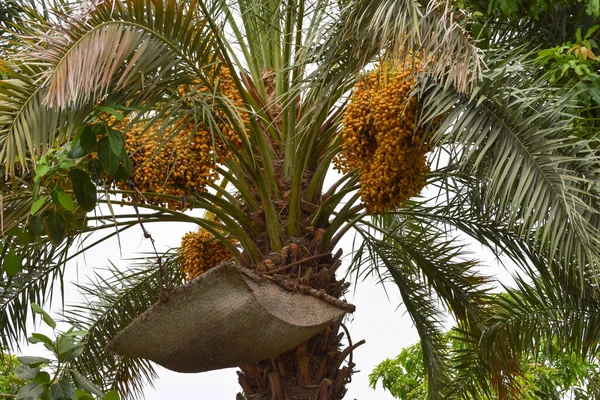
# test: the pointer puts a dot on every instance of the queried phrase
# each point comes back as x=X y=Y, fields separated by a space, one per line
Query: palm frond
x=402 y=29
x=433 y=32
x=443 y=264
x=555 y=25
x=418 y=250
x=540 y=319
x=42 y=268
x=512 y=136
x=136 y=50
x=43 y=263
x=473 y=369
x=410 y=259
x=121 y=45
x=27 y=125
x=548 y=311
x=112 y=302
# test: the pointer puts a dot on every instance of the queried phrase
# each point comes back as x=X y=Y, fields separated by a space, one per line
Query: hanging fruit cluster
x=177 y=167
x=225 y=85
x=200 y=251
x=379 y=137
x=182 y=159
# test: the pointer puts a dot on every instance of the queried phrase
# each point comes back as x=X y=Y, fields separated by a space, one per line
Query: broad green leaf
x=35 y=226
x=94 y=168
x=65 y=201
x=73 y=353
x=42 y=377
x=36 y=190
x=127 y=165
x=23 y=238
x=76 y=150
x=66 y=346
x=45 y=316
x=56 y=227
x=63 y=390
x=26 y=372
x=40 y=338
x=33 y=361
x=21 y=235
x=66 y=164
x=83 y=395
x=121 y=174
x=75 y=332
x=12 y=263
x=109 y=160
x=31 y=391
x=86 y=384
x=38 y=204
x=111 y=395
x=591 y=31
x=17 y=381
x=126 y=169
x=88 y=139
x=117 y=144
x=84 y=188
x=41 y=170
x=118 y=115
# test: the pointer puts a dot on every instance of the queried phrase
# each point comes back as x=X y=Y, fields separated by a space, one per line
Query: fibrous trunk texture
x=318 y=369
x=314 y=370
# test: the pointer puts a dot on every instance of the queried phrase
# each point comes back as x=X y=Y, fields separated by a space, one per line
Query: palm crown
x=241 y=109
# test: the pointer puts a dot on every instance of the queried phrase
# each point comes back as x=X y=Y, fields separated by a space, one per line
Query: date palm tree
x=100 y=99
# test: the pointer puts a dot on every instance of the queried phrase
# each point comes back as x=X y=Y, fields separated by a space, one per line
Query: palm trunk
x=316 y=369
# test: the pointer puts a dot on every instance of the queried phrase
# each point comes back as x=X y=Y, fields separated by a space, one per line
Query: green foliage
x=8 y=363
x=404 y=376
x=65 y=178
x=515 y=181
x=575 y=61
x=534 y=25
x=525 y=8
x=41 y=378
x=574 y=67
x=572 y=60
x=546 y=376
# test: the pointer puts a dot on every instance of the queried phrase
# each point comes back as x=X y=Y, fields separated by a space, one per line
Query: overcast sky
x=379 y=318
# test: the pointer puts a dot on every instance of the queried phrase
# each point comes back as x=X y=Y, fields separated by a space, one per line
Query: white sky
x=379 y=318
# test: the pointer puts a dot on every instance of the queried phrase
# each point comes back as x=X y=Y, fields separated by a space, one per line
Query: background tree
x=34 y=377
x=242 y=108
x=543 y=376
x=8 y=363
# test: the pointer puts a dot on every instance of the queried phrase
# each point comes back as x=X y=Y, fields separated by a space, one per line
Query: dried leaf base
x=314 y=370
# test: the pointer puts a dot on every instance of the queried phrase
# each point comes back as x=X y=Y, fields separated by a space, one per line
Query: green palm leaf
x=426 y=267
x=27 y=125
x=111 y=304
x=513 y=137
x=42 y=267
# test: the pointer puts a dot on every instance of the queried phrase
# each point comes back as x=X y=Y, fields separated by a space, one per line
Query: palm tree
x=241 y=108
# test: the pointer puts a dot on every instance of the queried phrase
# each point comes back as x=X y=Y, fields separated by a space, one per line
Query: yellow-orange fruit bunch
x=182 y=160
x=178 y=167
x=379 y=137
x=200 y=251
x=225 y=86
